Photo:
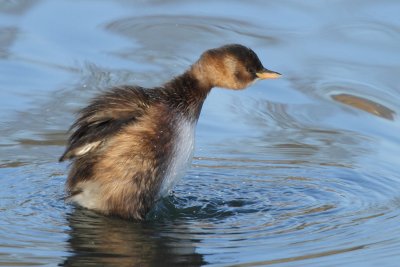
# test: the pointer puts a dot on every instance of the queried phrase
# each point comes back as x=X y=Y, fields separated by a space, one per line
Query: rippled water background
x=301 y=171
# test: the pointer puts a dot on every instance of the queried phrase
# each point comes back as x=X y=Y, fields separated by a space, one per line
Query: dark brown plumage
x=130 y=144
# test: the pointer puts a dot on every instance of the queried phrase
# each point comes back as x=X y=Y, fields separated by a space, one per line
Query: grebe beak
x=268 y=74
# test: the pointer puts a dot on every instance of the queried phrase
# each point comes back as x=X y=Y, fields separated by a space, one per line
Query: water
x=301 y=171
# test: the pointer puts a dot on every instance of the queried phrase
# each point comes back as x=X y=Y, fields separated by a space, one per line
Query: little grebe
x=131 y=144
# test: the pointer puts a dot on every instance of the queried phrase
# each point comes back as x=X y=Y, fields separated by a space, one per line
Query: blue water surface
x=300 y=171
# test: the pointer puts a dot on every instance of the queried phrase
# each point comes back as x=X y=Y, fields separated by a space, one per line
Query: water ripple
x=199 y=33
x=244 y=210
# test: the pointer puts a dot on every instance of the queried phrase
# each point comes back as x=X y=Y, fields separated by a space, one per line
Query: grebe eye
x=237 y=74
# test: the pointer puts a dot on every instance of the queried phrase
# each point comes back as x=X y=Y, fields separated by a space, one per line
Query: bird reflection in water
x=96 y=240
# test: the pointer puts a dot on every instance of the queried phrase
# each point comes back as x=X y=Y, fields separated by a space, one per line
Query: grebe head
x=231 y=66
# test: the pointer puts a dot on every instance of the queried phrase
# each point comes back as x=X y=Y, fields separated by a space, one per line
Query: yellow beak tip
x=268 y=75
